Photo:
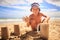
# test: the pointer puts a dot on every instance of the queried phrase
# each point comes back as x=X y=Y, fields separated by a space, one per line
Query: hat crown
x=34 y=4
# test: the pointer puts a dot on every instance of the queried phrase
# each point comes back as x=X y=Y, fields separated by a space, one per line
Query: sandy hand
x=26 y=19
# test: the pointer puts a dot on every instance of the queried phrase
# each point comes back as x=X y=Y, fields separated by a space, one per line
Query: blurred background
x=12 y=12
x=10 y=9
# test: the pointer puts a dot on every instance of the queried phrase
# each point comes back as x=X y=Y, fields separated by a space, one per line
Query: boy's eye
x=35 y=9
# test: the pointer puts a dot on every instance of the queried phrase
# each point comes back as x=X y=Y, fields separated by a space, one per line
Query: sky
x=21 y=8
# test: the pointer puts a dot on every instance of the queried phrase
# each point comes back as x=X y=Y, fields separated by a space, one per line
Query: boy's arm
x=26 y=19
x=46 y=18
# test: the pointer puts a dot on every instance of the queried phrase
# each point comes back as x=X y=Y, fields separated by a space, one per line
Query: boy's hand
x=26 y=19
x=46 y=20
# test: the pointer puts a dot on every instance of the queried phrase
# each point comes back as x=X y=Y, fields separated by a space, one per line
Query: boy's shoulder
x=41 y=14
x=31 y=15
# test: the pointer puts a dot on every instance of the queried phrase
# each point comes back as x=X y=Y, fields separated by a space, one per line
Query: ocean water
x=17 y=20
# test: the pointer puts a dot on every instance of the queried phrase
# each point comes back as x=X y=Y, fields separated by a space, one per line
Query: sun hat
x=35 y=4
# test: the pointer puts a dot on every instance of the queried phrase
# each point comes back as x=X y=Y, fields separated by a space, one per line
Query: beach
x=54 y=27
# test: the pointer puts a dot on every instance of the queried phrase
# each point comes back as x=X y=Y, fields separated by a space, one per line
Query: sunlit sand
x=54 y=27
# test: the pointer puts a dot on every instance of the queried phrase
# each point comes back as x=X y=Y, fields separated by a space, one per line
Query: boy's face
x=35 y=9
